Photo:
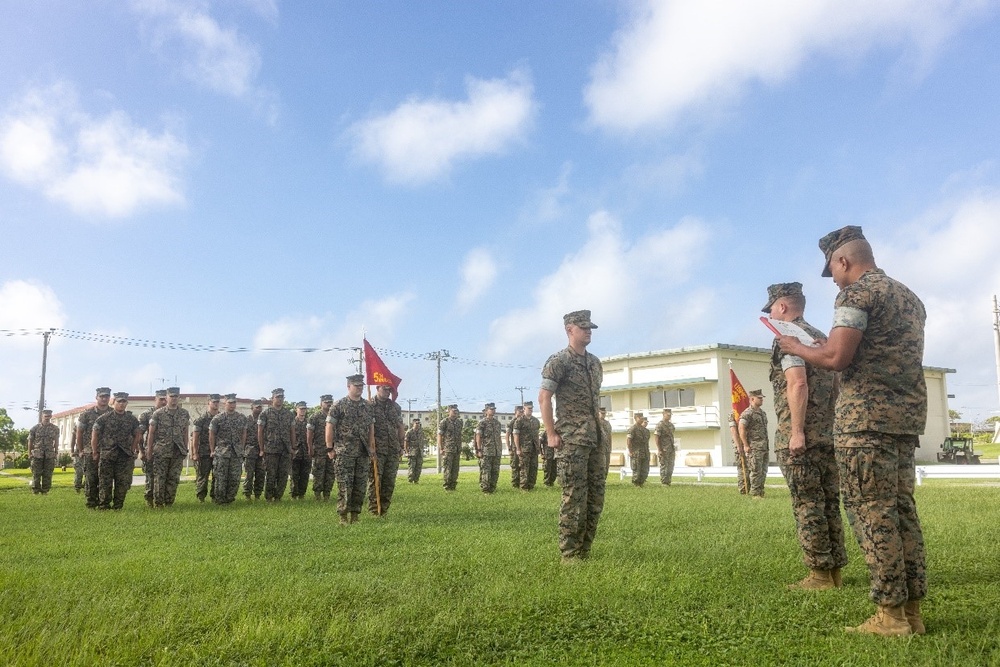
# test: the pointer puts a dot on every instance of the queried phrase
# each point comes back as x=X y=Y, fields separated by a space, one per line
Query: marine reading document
x=782 y=328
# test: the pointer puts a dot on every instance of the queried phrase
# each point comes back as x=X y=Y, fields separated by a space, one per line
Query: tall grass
x=692 y=574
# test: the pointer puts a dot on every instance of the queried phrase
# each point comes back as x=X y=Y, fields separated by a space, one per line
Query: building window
x=606 y=403
x=671 y=398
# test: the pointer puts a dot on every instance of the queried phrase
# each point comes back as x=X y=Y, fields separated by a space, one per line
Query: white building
x=694 y=383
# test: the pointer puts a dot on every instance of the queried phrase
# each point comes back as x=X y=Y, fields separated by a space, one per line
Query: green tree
x=11 y=439
x=954 y=415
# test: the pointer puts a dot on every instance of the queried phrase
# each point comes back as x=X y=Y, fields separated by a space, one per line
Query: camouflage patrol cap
x=602 y=409
x=415 y=420
x=46 y=411
x=173 y=391
x=230 y=398
x=161 y=393
x=639 y=415
x=758 y=393
x=277 y=392
x=832 y=241
x=257 y=403
x=668 y=411
x=326 y=397
x=453 y=406
x=580 y=318
x=357 y=378
x=778 y=290
x=301 y=404
x=121 y=395
x=103 y=391
x=529 y=404
x=214 y=397
x=490 y=406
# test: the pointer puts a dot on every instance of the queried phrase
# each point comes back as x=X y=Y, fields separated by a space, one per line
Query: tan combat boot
x=887 y=622
x=912 y=609
x=838 y=580
x=816 y=580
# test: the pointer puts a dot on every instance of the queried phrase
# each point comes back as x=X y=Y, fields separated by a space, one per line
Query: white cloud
x=29 y=305
x=213 y=56
x=551 y=202
x=479 y=271
x=678 y=55
x=950 y=256
x=378 y=317
x=99 y=166
x=612 y=277
x=421 y=139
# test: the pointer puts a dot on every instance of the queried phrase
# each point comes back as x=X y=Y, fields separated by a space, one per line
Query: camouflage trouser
x=147 y=471
x=41 y=473
x=91 y=486
x=529 y=468
x=815 y=488
x=276 y=467
x=450 y=465
x=254 y=467
x=877 y=477
x=757 y=464
x=226 y=478
x=549 y=471
x=583 y=472
x=79 y=464
x=388 y=466
x=515 y=470
x=640 y=468
x=300 y=476
x=166 y=477
x=742 y=471
x=666 y=456
x=202 y=470
x=324 y=471
x=115 y=478
x=352 y=478
x=415 y=465
x=489 y=473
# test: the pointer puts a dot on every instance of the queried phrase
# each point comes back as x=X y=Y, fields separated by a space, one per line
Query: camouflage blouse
x=352 y=421
x=576 y=382
x=883 y=389
x=228 y=429
x=490 y=436
x=822 y=395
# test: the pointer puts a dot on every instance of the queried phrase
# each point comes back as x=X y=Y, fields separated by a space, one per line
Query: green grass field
x=692 y=574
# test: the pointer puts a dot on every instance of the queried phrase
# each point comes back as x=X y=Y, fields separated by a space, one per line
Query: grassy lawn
x=690 y=574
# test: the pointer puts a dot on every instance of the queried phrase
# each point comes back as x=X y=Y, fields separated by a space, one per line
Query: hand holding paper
x=781 y=328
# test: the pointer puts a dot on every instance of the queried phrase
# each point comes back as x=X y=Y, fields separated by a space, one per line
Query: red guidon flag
x=378 y=373
x=740 y=399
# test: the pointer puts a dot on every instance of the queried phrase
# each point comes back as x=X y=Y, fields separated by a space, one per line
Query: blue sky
x=455 y=175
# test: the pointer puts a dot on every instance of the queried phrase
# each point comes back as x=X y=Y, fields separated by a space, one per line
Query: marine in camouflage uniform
x=388 y=447
x=253 y=456
x=350 y=431
x=877 y=341
x=160 y=400
x=43 y=448
x=414 y=442
x=573 y=376
x=450 y=445
x=526 y=443
x=637 y=442
x=84 y=430
x=515 y=459
x=114 y=446
x=301 y=454
x=804 y=398
x=323 y=467
x=738 y=456
x=665 y=450
x=227 y=434
x=489 y=446
x=201 y=453
x=166 y=446
x=275 y=434
x=753 y=431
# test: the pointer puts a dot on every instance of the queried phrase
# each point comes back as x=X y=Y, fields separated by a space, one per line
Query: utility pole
x=409 y=411
x=358 y=360
x=521 y=389
x=45 y=354
x=438 y=356
x=996 y=343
